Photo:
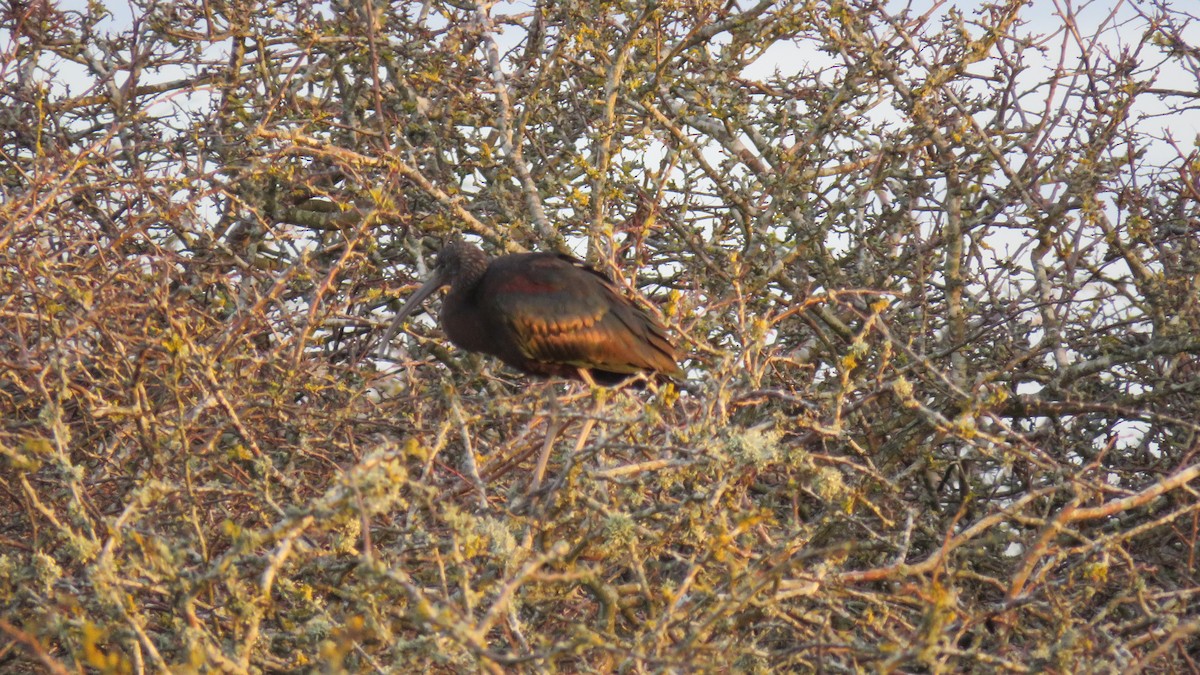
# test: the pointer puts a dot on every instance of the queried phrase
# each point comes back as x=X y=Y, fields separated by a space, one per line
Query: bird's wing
x=561 y=311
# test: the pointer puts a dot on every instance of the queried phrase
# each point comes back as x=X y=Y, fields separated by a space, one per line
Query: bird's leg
x=586 y=377
x=552 y=430
x=639 y=379
x=469 y=465
x=555 y=428
x=579 y=445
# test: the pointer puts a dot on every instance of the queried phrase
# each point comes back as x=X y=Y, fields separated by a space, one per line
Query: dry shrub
x=936 y=292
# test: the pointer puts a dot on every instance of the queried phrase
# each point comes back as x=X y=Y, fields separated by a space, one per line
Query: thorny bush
x=933 y=276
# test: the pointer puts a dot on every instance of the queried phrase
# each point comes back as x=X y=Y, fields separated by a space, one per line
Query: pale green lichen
x=347 y=534
x=829 y=484
x=46 y=571
x=755 y=447
x=618 y=532
x=496 y=532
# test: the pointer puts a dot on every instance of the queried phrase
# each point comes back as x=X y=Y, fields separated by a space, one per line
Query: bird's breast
x=466 y=326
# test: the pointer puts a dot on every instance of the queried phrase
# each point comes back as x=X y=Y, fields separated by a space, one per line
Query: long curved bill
x=435 y=282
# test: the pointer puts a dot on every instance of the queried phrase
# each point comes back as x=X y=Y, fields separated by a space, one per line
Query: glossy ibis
x=545 y=314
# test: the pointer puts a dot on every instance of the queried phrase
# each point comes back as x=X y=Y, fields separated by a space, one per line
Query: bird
x=545 y=314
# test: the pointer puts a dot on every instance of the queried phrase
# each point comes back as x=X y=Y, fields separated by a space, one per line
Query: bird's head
x=459 y=264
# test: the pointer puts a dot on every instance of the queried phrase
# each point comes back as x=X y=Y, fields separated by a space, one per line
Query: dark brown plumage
x=544 y=314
